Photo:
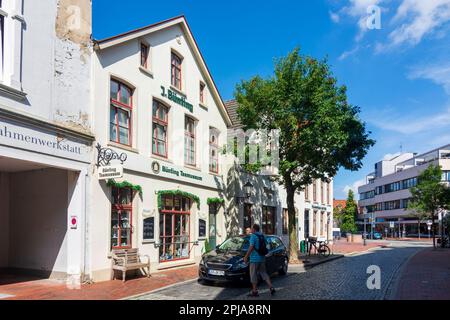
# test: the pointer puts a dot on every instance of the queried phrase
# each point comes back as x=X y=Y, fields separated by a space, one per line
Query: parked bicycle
x=320 y=247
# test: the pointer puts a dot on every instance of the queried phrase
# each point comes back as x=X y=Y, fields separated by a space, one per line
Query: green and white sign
x=173 y=96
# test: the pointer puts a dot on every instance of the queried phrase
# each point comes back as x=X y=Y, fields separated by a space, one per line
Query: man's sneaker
x=272 y=291
x=253 y=294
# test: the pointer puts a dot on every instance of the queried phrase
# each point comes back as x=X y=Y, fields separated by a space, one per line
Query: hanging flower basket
x=218 y=201
x=124 y=184
x=161 y=193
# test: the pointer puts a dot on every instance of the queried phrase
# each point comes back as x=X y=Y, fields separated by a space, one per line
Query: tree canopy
x=320 y=131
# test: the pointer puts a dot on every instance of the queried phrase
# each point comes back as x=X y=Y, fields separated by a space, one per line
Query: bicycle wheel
x=324 y=251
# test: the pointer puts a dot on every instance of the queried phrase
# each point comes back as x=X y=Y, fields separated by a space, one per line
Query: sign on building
x=110 y=172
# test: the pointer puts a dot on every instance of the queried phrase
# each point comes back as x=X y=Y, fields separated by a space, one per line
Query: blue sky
x=398 y=75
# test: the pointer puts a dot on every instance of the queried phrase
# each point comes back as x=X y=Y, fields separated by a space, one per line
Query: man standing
x=257 y=253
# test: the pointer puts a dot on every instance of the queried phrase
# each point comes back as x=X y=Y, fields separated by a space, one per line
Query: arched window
x=121 y=108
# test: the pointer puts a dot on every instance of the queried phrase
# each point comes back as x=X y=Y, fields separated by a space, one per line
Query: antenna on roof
x=401 y=147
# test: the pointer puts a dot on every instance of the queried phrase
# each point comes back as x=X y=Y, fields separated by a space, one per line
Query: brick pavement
x=426 y=276
x=344 y=247
x=29 y=288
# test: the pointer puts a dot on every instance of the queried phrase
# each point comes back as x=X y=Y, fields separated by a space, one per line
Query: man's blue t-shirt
x=254 y=241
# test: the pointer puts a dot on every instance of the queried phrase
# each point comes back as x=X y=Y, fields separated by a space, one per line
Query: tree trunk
x=293 y=239
x=419 y=230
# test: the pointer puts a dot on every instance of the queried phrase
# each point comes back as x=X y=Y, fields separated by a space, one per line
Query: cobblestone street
x=343 y=278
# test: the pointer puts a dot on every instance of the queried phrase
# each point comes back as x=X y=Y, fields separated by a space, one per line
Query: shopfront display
x=174 y=228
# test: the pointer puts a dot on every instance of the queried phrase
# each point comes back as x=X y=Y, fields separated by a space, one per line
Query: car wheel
x=284 y=267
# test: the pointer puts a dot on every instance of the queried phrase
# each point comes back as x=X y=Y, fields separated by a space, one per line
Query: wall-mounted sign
x=110 y=172
x=156 y=167
x=43 y=141
x=391 y=224
x=319 y=207
x=73 y=222
x=173 y=96
x=202 y=228
x=149 y=228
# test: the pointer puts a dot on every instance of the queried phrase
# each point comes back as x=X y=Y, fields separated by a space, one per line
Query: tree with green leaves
x=430 y=195
x=349 y=214
x=320 y=131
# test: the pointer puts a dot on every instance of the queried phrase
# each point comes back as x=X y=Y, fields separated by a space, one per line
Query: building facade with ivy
x=160 y=124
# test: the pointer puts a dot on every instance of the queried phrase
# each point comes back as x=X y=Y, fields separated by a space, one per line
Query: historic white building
x=45 y=135
x=156 y=102
x=386 y=192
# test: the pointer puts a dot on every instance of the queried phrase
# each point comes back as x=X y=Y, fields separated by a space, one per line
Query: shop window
x=121 y=107
x=213 y=150
x=189 y=141
x=145 y=51
x=202 y=93
x=268 y=220
x=176 y=70
x=121 y=214
x=160 y=124
x=174 y=228
x=202 y=228
x=285 y=221
x=149 y=228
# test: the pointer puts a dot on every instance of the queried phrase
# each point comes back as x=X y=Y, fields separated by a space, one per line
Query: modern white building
x=266 y=203
x=45 y=135
x=156 y=102
x=386 y=192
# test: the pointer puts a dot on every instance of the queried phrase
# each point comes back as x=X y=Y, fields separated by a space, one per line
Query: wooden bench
x=128 y=259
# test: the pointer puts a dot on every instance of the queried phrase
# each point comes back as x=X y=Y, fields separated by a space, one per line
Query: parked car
x=226 y=262
x=377 y=236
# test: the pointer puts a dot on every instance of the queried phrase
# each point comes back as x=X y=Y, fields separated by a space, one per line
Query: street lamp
x=364 y=216
x=247 y=191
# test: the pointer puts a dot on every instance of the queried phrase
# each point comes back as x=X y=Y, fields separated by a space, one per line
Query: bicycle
x=321 y=249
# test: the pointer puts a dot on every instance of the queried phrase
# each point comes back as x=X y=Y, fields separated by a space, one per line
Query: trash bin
x=303 y=246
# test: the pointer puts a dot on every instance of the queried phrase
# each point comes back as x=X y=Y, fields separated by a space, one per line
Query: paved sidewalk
x=344 y=247
x=426 y=276
x=45 y=289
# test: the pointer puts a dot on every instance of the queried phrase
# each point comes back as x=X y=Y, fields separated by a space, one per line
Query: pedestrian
x=248 y=231
x=257 y=253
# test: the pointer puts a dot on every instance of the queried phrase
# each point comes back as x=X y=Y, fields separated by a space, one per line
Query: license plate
x=216 y=272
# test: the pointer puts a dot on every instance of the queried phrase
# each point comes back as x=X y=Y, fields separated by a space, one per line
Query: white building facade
x=156 y=102
x=386 y=193
x=45 y=135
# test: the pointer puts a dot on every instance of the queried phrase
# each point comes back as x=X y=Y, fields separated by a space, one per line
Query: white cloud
x=415 y=19
x=410 y=123
x=354 y=186
x=439 y=74
x=334 y=17
x=348 y=53
x=358 y=9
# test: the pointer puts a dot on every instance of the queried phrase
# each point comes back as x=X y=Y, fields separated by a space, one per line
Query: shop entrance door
x=213 y=225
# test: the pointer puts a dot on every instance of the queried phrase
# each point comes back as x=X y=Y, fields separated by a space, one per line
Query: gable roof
x=182 y=22
x=232 y=106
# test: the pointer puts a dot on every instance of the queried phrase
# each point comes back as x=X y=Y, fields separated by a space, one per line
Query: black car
x=226 y=262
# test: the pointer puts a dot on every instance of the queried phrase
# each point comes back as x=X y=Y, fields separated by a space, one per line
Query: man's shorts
x=258 y=268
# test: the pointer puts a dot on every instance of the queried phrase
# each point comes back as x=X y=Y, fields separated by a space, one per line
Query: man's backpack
x=262 y=248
